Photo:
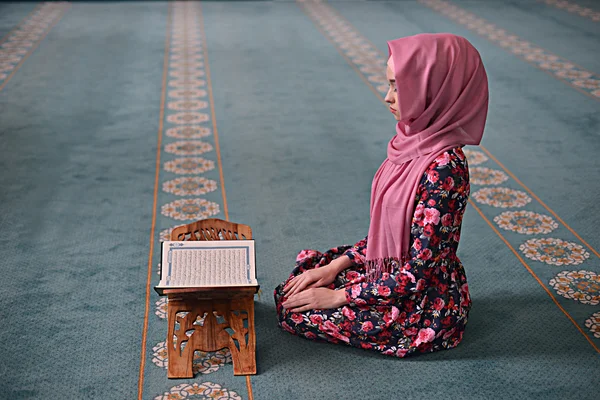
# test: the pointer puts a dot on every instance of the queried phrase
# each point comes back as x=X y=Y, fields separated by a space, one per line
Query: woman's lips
x=392 y=110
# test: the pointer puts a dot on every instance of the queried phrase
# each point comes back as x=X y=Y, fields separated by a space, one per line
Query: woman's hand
x=312 y=278
x=317 y=277
x=310 y=299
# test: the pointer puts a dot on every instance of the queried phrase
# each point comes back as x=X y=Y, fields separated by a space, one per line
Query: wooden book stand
x=211 y=319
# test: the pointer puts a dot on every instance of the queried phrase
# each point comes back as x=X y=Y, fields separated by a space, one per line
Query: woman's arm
x=355 y=254
x=435 y=231
x=319 y=277
x=306 y=292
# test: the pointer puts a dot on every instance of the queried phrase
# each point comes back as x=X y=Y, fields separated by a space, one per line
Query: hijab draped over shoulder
x=442 y=100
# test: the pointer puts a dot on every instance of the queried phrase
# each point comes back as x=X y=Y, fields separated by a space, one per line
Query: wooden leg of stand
x=210 y=335
x=244 y=357
x=179 y=363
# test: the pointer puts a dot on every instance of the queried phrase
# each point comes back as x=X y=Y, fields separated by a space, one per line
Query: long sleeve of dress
x=440 y=203
x=358 y=252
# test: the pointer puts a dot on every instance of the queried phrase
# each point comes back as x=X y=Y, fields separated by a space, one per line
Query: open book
x=207 y=264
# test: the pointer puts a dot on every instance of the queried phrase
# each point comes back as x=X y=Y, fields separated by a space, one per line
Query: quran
x=207 y=264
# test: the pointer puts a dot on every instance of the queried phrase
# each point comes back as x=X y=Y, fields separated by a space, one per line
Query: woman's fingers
x=300 y=299
x=303 y=281
x=310 y=299
x=300 y=285
x=292 y=284
x=292 y=302
x=292 y=290
x=316 y=284
x=301 y=309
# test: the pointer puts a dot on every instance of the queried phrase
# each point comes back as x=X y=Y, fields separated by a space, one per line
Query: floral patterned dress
x=422 y=306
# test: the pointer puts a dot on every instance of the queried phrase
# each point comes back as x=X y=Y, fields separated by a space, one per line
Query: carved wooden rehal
x=211 y=319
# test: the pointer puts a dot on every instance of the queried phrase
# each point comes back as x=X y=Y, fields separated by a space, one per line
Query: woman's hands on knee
x=315 y=298
x=317 y=277
x=312 y=278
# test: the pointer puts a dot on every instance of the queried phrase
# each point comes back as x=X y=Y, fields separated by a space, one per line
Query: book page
x=217 y=263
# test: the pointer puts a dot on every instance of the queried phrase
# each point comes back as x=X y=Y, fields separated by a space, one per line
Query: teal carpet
x=279 y=124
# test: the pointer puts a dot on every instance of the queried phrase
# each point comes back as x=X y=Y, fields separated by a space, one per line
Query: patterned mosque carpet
x=119 y=121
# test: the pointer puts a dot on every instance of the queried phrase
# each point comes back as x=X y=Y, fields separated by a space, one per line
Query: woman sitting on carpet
x=402 y=290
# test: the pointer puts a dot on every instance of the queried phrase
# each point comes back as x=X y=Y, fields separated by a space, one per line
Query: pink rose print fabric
x=423 y=305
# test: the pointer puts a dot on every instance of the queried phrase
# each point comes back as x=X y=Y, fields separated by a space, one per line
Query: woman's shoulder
x=451 y=163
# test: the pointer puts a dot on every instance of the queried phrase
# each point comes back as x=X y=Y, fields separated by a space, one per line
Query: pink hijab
x=442 y=100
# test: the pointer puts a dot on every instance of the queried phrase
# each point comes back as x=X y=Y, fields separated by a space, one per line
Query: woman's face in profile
x=392 y=95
